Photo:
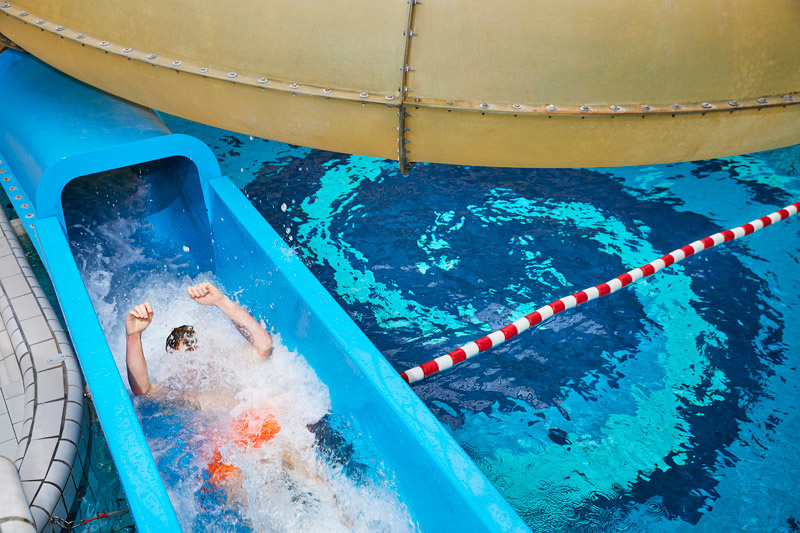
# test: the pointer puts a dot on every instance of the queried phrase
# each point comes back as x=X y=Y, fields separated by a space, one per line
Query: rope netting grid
x=499 y=336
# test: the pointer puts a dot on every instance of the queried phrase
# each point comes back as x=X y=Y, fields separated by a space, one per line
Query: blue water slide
x=54 y=129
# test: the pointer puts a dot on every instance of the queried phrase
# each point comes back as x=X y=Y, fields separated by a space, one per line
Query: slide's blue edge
x=147 y=497
x=485 y=501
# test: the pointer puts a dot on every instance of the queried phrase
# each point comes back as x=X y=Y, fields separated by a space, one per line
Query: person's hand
x=139 y=318
x=206 y=294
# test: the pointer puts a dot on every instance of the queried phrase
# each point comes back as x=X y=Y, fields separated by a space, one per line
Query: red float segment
x=509 y=331
x=484 y=343
x=534 y=318
x=457 y=356
x=580 y=297
x=431 y=367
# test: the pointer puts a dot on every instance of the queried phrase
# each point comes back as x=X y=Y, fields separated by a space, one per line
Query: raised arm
x=136 y=322
x=207 y=294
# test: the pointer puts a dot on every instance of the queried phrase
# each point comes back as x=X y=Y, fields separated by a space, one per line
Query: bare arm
x=136 y=322
x=207 y=294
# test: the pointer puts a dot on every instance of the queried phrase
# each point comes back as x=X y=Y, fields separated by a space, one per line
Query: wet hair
x=182 y=334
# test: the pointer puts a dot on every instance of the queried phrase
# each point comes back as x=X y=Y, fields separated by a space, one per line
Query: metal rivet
x=127 y=50
x=59 y=28
x=327 y=90
x=262 y=80
x=6 y=179
x=18 y=197
x=80 y=36
x=584 y=108
x=23 y=14
x=646 y=107
x=614 y=107
x=484 y=105
x=389 y=97
x=706 y=105
x=12 y=188
x=177 y=62
x=762 y=100
x=294 y=85
x=733 y=103
x=232 y=74
x=29 y=215
x=363 y=95
x=104 y=43
x=450 y=102
x=40 y=22
x=6 y=5
x=151 y=56
x=516 y=106
x=551 y=107
x=675 y=106
x=203 y=69
x=787 y=97
x=24 y=206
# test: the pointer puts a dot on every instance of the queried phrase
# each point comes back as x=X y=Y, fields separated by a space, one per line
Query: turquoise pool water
x=669 y=406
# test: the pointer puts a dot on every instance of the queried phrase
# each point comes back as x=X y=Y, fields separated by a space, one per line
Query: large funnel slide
x=55 y=131
x=523 y=83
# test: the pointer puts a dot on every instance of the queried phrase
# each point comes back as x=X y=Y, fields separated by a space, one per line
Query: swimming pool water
x=668 y=406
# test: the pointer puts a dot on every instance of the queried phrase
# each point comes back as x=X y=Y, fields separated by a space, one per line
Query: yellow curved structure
x=528 y=83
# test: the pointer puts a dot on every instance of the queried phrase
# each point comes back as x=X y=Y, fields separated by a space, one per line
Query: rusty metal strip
x=188 y=67
x=714 y=106
x=402 y=157
x=400 y=99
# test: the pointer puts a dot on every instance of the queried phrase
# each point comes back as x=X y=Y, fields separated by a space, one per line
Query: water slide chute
x=518 y=83
x=54 y=130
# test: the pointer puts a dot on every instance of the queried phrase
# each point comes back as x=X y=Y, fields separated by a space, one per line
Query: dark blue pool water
x=668 y=406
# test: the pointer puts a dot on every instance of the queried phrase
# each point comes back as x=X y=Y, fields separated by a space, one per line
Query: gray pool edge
x=43 y=426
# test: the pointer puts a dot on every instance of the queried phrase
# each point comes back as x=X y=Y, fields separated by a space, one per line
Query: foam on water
x=294 y=481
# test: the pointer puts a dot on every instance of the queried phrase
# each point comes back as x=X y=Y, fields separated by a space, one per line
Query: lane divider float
x=499 y=336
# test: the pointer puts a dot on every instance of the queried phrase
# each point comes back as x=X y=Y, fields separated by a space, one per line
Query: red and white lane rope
x=540 y=315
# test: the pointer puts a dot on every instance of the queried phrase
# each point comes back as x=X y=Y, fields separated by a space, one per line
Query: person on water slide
x=183 y=338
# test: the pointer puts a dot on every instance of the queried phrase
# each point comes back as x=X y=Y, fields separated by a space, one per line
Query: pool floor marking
x=540 y=315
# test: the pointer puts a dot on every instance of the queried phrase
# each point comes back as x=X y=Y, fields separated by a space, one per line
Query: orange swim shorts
x=249 y=431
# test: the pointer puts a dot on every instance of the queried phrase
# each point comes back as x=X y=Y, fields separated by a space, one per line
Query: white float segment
x=444 y=362
x=471 y=349
x=775 y=217
x=792 y=209
x=658 y=264
x=678 y=255
x=757 y=224
x=718 y=238
x=592 y=292
x=569 y=302
x=698 y=246
x=521 y=324
x=546 y=312
x=414 y=374
x=636 y=274
x=497 y=337
x=614 y=285
x=738 y=232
